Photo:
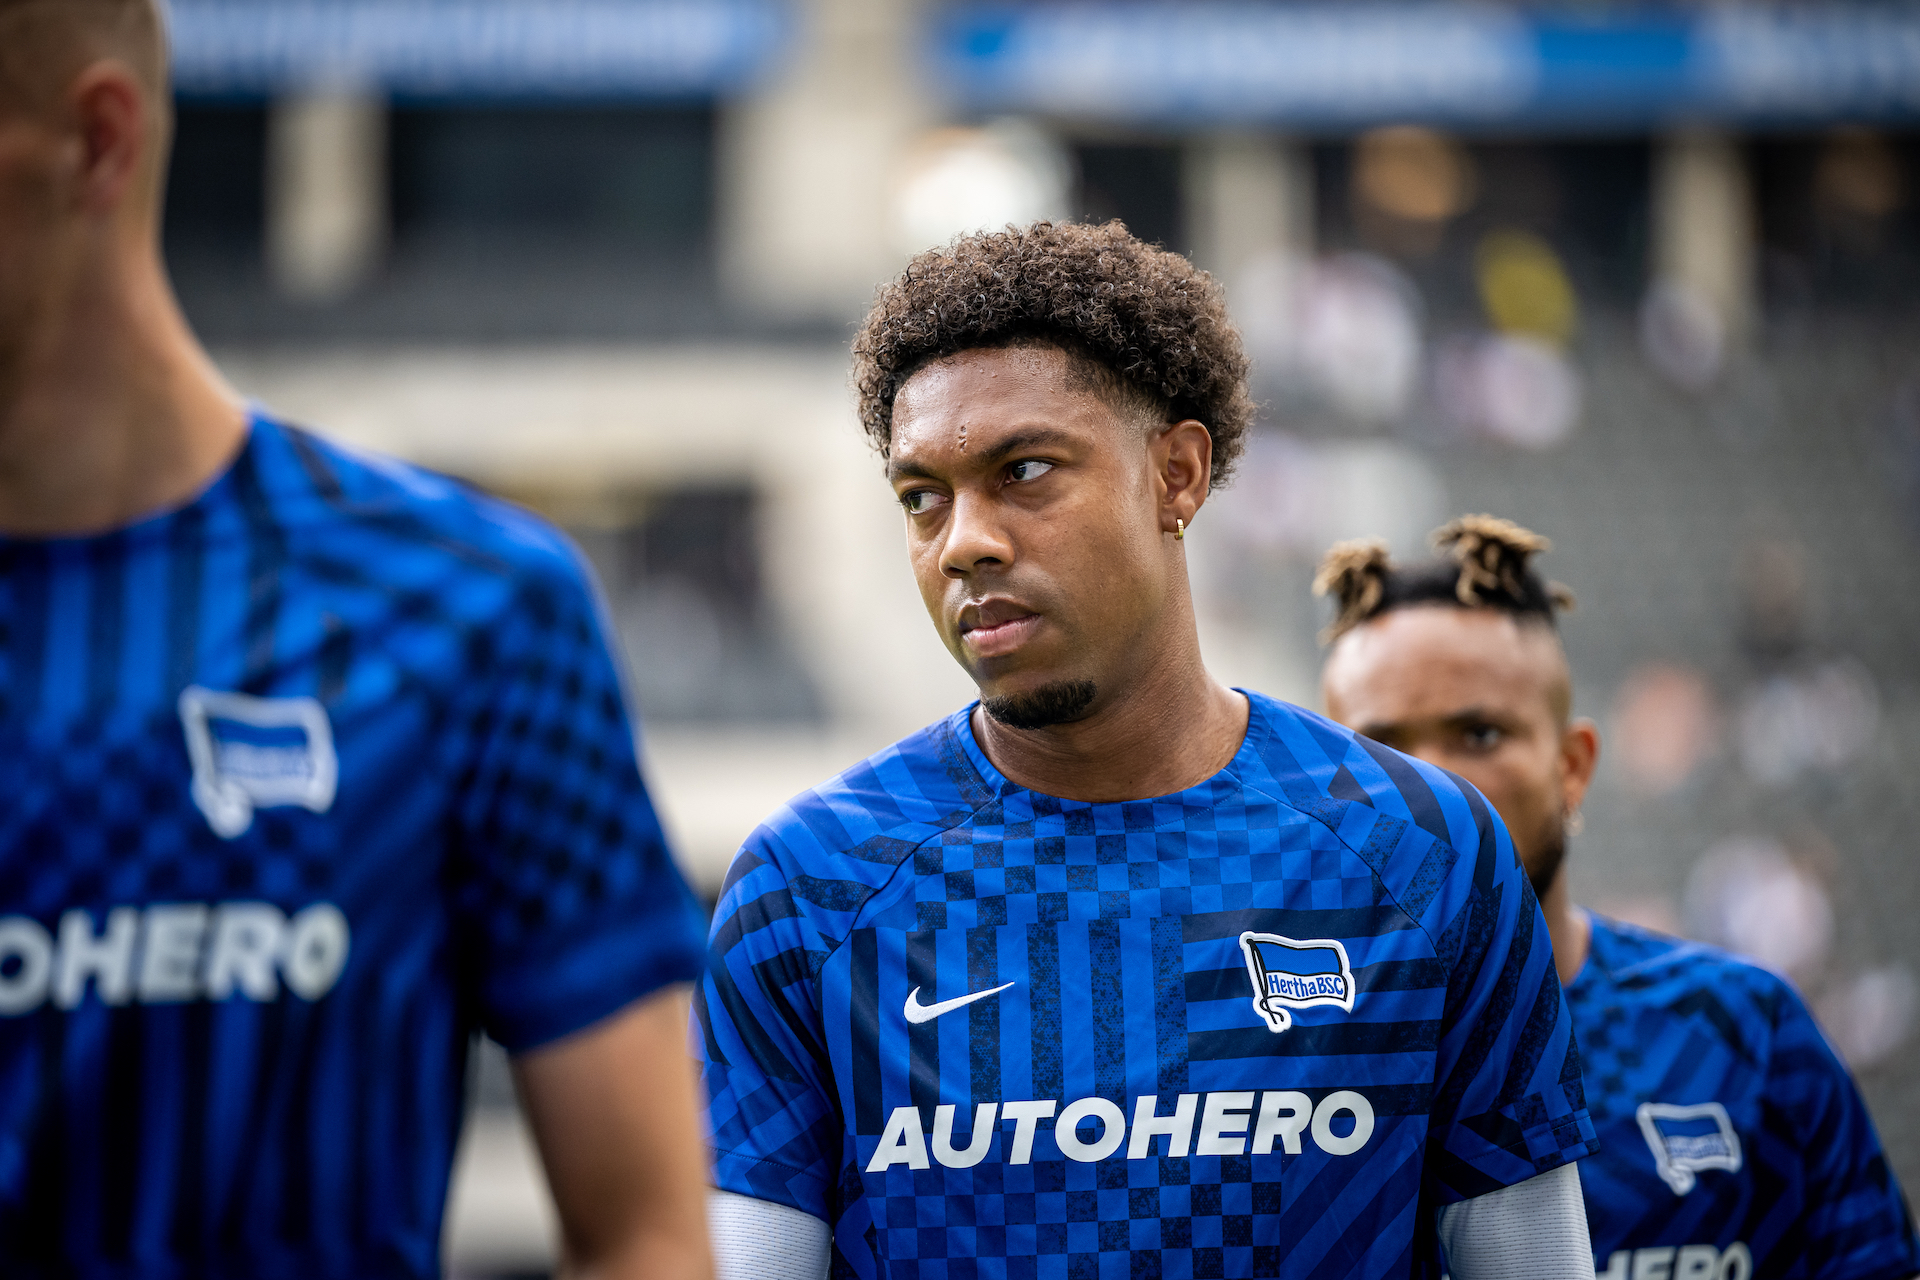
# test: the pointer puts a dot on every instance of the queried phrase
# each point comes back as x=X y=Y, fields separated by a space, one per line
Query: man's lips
x=1001 y=636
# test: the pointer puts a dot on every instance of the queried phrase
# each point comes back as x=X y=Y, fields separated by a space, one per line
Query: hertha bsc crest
x=1296 y=975
x=249 y=753
x=1687 y=1140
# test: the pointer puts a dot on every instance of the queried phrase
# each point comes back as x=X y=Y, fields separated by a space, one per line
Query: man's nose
x=976 y=538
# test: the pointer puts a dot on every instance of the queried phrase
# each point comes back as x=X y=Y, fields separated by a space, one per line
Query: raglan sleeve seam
x=853 y=925
x=1349 y=846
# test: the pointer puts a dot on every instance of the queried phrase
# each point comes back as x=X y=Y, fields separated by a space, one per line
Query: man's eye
x=920 y=501
x=1483 y=737
x=1029 y=469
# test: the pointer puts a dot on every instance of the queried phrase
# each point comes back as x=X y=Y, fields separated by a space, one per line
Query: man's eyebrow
x=899 y=470
x=1446 y=720
x=1469 y=715
x=1032 y=438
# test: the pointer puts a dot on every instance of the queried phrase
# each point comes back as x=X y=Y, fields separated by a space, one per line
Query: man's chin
x=1042 y=706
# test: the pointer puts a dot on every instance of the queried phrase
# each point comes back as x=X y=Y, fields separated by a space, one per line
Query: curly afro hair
x=1146 y=318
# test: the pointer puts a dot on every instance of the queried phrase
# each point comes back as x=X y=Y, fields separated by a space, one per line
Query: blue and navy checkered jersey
x=1261 y=1027
x=1733 y=1143
x=303 y=783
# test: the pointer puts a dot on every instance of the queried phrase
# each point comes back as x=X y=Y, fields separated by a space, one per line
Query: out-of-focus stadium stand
x=1639 y=277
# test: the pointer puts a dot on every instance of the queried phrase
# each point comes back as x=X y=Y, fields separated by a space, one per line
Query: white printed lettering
x=1223 y=1125
x=976 y=1149
x=1332 y=1105
x=904 y=1142
x=106 y=958
x=1689 y=1262
x=1653 y=1264
x=317 y=943
x=170 y=953
x=1696 y=1262
x=1025 y=1116
x=246 y=945
x=1147 y=1124
x=1298 y=1109
x=23 y=940
x=1283 y=1115
x=1114 y=1120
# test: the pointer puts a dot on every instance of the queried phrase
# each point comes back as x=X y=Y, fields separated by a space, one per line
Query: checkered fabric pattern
x=488 y=845
x=1668 y=1022
x=1102 y=946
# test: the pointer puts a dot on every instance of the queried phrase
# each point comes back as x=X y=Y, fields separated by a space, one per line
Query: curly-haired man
x=1118 y=971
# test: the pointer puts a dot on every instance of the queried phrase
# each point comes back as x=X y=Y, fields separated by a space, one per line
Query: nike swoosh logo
x=917 y=1012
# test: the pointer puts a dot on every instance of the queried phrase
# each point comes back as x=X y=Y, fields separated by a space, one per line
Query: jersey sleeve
x=1857 y=1223
x=567 y=903
x=761 y=1043
x=1508 y=1099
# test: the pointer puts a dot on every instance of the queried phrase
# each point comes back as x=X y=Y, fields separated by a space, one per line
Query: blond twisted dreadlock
x=1355 y=574
x=1486 y=564
x=1493 y=555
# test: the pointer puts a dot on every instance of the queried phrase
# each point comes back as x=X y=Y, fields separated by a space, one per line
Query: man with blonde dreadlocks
x=1733 y=1143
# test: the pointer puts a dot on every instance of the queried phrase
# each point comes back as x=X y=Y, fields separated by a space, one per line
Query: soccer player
x=1118 y=971
x=1732 y=1143
x=311 y=764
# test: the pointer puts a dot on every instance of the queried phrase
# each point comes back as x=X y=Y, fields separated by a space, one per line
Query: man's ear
x=1182 y=455
x=115 y=125
x=1579 y=757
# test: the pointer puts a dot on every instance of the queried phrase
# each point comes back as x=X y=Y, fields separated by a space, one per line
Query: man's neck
x=1161 y=736
x=113 y=412
x=1568 y=926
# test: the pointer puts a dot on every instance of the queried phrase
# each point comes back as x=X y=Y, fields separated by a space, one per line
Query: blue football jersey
x=303 y=783
x=1733 y=1143
x=1261 y=1027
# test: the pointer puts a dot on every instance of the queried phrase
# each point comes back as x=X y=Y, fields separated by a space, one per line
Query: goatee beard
x=1050 y=704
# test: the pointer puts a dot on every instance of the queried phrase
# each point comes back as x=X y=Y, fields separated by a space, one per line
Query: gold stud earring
x=1179 y=530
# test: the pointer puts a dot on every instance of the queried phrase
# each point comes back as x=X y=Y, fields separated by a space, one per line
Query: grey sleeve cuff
x=1533 y=1230
x=761 y=1240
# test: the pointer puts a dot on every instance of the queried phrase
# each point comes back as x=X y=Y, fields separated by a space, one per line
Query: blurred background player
x=1155 y=946
x=1733 y=1142
x=314 y=764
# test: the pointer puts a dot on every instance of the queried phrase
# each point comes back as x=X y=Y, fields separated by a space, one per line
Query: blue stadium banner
x=1318 y=65
x=477 y=48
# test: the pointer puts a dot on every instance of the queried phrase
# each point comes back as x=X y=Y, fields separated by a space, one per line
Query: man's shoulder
x=1737 y=996
x=1737 y=1032
x=824 y=854
x=1349 y=781
x=879 y=810
x=400 y=520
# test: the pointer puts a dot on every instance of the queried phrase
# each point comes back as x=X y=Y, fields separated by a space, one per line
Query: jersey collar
x=1243 y=764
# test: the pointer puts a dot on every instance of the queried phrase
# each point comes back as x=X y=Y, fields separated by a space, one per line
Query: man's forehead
x=985 y=375
x=1436 y=660
x=992 y=395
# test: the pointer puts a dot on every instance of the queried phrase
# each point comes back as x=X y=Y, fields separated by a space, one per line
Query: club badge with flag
x=1289 y=974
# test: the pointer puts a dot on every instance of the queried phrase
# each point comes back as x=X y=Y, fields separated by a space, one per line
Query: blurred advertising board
x=1334 y=66
x=605 y=49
